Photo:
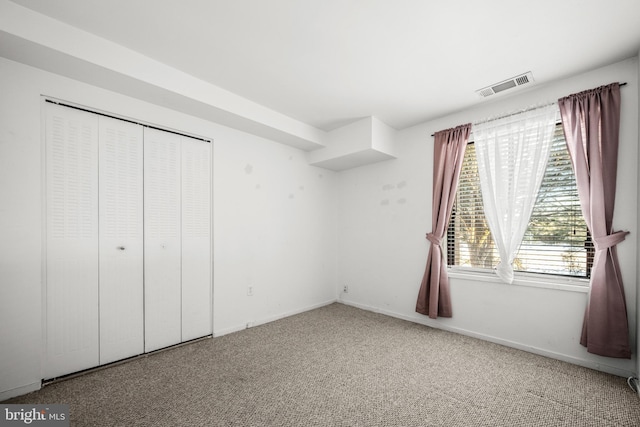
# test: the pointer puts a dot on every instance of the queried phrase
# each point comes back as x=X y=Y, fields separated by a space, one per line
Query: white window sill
x=570 y=284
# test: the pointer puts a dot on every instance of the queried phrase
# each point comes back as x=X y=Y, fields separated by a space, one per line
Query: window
x=556 y=241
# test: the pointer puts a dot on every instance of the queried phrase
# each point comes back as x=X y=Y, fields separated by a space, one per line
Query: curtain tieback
x=434 y=239
x=612 y=239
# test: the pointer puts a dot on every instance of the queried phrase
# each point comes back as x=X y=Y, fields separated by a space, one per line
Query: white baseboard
x=19 y=391
x=269 y=319
x=507 y=343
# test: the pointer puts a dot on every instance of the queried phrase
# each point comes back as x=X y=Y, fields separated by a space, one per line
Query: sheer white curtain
x=512 y=154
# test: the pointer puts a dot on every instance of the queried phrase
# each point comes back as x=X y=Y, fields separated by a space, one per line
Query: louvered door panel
x=121 y=240
x=196 y=239
x=71 y=241
x=162 y=257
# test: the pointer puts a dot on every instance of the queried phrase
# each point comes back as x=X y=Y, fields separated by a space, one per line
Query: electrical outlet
x=250 y=290
x=345 y=289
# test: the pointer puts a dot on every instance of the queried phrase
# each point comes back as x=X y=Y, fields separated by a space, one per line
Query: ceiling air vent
x=516 y=81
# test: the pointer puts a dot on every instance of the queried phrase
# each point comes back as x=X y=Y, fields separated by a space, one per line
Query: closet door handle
x=122 y=248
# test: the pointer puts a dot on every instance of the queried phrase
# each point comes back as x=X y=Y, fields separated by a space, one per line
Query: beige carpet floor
x=341 y=366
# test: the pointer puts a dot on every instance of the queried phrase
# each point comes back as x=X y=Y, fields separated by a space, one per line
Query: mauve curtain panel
x=591 y=122
x=434 y=298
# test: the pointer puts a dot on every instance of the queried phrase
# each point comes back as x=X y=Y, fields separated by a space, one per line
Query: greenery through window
x=556 y=241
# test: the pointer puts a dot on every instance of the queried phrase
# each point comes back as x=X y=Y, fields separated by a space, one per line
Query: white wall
x=274 y=222
x=638 y=240
x=273 y=219
x=385 y=212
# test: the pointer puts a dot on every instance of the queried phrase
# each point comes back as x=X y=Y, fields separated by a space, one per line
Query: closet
x=128 y=239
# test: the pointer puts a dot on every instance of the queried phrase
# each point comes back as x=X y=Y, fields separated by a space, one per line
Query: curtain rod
x=523 y=111
x=515 y=113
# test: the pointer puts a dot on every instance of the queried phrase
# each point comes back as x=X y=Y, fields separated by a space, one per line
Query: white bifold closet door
x=121 y=239
x=162 y=247
x=71 y=241
x=177 y=257
x=128 y=240
x=196 y=239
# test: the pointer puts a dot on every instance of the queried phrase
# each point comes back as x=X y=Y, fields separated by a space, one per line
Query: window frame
x=534 y=279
